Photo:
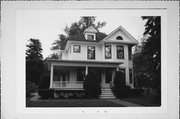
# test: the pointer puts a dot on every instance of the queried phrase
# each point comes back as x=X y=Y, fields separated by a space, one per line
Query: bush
x=92 y=85
x=43 y=89
x=69 y=94
x=46 y=93
x=44 y=82
x=136 y=92
x=120 y=89
x=30 y=87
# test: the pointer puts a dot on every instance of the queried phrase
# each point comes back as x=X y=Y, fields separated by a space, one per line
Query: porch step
x=106 y=93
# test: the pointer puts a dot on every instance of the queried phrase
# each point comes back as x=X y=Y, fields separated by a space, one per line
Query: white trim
x=128 y=34
x=52 y=73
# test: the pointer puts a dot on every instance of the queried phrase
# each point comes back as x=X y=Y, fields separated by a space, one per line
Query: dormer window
x=90 y=37
x=119 y=38
x=90 y=33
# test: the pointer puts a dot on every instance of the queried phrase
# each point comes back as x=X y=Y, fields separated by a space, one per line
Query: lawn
x=145 y=101
x=72 y=103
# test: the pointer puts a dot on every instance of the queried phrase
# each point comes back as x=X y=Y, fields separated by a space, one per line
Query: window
x=120 y=52
x=80 y=74
x=108 y=52
x=90 y=37
x=91 y=52
x=123 y=77
x=76 y=48
x=130 y=75
x=119 y=38
x=129 y=52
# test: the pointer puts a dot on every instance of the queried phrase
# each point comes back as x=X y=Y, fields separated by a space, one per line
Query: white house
x=96 y=51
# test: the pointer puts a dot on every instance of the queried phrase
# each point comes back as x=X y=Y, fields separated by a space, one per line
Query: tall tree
x=76 y=28
x=147 y=62
x=34 y=60
x=152 y=46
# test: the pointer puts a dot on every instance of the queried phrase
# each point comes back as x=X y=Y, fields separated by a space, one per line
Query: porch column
x=113 y=74
x=86 y=70
x=51 y=78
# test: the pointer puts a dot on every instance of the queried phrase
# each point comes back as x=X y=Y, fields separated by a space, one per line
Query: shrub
x=136 y=92
x=44 y=82
x=43 y=89
x=46 y=93
x=92 y=85
x=30 y=87
x=120 y=89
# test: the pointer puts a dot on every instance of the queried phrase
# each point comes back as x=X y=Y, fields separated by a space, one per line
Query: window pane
x=108 y=52
x=119 y=38
x=90 y=37
x=91 y=52
x=80 y=74
x=120 y=52
x=130 y=75
x=76 y=48
x=129 y=52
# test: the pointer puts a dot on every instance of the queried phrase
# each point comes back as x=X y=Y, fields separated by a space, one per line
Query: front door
x=106 y=78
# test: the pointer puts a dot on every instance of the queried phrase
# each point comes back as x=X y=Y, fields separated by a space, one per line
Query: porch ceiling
x=81 y=63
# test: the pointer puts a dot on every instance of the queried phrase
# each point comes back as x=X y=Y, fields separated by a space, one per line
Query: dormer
x=90 y=33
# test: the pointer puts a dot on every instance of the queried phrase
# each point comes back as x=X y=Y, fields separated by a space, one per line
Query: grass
x=143 y=100
x=72 y=103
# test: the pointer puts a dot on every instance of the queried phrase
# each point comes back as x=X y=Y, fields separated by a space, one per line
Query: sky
x=45 y=25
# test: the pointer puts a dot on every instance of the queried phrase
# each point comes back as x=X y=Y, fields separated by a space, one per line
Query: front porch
x=72 y=78
x=70 y=75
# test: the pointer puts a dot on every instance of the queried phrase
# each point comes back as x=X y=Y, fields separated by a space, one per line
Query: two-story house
x=104 y=54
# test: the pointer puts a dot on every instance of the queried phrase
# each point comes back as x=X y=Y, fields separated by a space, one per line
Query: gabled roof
x=134 y=41
x=90 y=30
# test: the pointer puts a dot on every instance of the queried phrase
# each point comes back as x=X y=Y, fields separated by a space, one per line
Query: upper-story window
x=119 y=38
x=120 y=52
x=129 y=53
x=90 y=37
x=130 y=76
x=107 y=51
x=77 y=48
x=91 y=52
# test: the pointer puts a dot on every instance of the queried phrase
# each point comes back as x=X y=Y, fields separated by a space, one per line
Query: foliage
x=76 y=28
x=46 y=93
x=30 y=87
x=34 y=61
x=147 y=62
x=92 y=85
x=44 y=82
x=69 y=94
x=120 y=89
x=43 y=89
x=53 y=56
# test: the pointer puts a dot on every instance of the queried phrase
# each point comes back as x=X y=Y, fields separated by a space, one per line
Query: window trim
x=110 y=51
x=78 y=50
x=94 y=52
x=120 y=50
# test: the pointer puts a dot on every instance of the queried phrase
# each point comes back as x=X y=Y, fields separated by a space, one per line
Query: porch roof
x=89 y=63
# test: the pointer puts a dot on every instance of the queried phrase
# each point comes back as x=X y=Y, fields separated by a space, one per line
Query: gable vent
x=119 y=38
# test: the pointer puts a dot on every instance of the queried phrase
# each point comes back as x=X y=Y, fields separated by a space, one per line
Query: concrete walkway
x=125 y=103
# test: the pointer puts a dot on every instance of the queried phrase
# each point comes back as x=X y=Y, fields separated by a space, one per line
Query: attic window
x=119 y=38
x=90 y=37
